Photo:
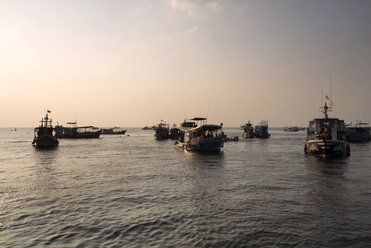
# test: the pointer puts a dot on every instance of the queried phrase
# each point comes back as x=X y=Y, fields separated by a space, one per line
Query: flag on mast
x=48 y=111
x=327 y=98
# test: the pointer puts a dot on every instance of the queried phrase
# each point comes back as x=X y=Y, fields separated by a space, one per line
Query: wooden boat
x=248 y=131
x=360 y=132
x=326 y=136
x=72 y=131
x=113 y=130
x=261 y=130
x=162 y=131
x=196 y=135
x=43 y=135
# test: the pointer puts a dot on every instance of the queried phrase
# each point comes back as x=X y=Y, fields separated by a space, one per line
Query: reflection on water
x=329 y=165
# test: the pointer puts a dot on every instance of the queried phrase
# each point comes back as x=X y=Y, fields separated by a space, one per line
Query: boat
x=261 y=130
x=174 y=132
x=291 y=129
x=227 y=139
x=113 y=130
x=197 y=135
x=248 y=131
x=72 y=131
x=162 y=131
x=44 y=136
x=147 y=128
x=360 y=132
x=327 y=136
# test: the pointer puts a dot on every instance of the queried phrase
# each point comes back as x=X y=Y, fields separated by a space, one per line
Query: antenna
x=321 y=94
x=208 y=107
x=331 y=86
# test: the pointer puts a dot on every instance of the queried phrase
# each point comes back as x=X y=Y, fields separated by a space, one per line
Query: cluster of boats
x=325 y=136
x=46 y=136
x=259 y=131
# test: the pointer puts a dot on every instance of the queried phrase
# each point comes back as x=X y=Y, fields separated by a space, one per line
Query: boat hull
x=321 y=147
x=45 y=141
x=205 y=145
x=248 y=135
x=110 y=132
x=357 y=138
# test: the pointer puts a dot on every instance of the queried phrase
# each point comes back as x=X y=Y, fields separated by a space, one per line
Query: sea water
x=133 y=191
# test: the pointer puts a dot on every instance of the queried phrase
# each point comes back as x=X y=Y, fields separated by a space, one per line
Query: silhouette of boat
x=261 y=130
x=162 y=131
x=43 y=135
x=360 y=132
x=174 y=132
x=327 y=136
x=72 y=131
x=291 y=129
x=248 y=131
x=113 y=130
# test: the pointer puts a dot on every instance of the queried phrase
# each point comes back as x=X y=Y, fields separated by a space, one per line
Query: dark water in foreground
x=120 y=191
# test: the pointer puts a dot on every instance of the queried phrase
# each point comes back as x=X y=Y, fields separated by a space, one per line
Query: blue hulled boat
x=196 y=135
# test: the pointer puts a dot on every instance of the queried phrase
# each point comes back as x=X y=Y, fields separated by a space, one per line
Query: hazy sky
x=133 y=63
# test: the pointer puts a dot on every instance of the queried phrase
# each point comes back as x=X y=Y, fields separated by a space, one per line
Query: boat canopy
x=210 y=127
x=199 y=119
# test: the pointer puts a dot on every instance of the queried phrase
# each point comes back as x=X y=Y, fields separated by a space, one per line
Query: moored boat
x=113 y=130
x=174 y=132
x=197 y=135
x=72 y=131
x=291 y=129
x=360 y=132
x=248 y=131
x=162 y=131
x=43 y=135
x=326 y=136
x=261 y=130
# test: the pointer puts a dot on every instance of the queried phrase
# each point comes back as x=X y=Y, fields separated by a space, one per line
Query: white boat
x=197 y=135
x=327 y=136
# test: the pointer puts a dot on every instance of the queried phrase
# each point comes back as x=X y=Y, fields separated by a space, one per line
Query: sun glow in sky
x=133 y=63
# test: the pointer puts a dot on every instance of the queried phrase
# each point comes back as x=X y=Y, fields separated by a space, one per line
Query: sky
x=133 y=63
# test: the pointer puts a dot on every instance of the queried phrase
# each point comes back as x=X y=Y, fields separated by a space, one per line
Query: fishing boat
x=113 y=130
x=327 y=136
x=72 y=131
x=248 y=131
x=261 y=130
x=197 y=135
x=162 y=131
x=43 y=134
x=360 y=132
x=174 y=132
x=291 y=129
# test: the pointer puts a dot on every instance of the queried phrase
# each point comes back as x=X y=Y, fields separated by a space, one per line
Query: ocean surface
x=134 y=191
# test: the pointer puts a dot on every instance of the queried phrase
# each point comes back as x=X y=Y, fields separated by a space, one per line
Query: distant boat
x=360 y=132
x=72 y=131
x=162 y=131
x=174 y=132
x=327 y=136
x=291 y=129
x=261 y=130
x=147 y=128
x=248 y=131
x=196 y=135
x=113 y=130
x=44 y=136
